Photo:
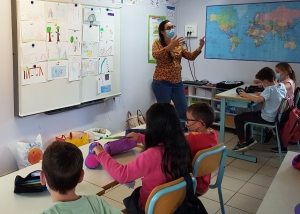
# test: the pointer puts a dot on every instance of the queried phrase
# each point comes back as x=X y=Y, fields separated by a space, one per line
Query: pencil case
x=30 y=184
x=119 y=146
x=90 y=160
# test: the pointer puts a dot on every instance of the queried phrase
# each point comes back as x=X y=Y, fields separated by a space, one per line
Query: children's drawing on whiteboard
x=58 y=70
x=154 y=3
x=165 y=1
x=106 y=64
x=33 y=31
x=74 y=42
x=106 y=48
x=170 y=11
x=91 y=15
x=33 y=52
x=131 y=2
x=107 y=16
x=90 y=49
x=74 y=68
x=57 y=31
x=89 y=67
x=75 y=17
x=57 y=51
x=104 y=83
x=90 y=33
x=34 y=73
x=107 y=32
x=56 y=12
x=32 y=12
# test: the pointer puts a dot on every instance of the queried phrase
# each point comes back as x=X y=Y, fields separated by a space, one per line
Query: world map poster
x=267 y=31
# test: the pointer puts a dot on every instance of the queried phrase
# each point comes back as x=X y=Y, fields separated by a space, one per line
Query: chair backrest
x=167 y=197
x=296 y=96
x=283 y=107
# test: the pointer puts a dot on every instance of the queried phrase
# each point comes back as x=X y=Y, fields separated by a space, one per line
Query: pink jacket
x=147 y=166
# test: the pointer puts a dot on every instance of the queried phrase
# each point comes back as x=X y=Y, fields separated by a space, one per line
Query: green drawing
x=72 y=39
x=49 y=31
x=57 y=28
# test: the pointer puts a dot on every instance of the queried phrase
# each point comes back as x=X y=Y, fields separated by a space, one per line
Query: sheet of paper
x=89 y=67
x=33 y=31
x=57 y=51
x=107 y=32
x=75 y=43
x=104 y=83
x=58 y=69
x=154 y=3
x=170 y=11
x=107 y=16
x=106 y=48
x=56 y=12
x=91 y=15
x=57 y=31
x=165 y=1
x=117 y=1
x=75 y=17
x=34 y=73
x=106 y=64
x=131 y=2
x=32 y=12
x=90 y=33
x=33 y=52
x=74 y=68
x=90 y=49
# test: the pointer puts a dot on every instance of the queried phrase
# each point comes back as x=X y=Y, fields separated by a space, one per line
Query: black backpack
x=191 y=203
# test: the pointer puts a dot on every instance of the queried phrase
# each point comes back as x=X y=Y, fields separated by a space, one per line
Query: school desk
x=283 y=194
x=33 y=202
x=231 y=98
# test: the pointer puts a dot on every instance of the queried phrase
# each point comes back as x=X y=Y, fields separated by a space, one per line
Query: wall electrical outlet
x=192 y=29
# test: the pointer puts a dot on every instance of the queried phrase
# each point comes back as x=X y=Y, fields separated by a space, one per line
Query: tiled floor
x=244 y=184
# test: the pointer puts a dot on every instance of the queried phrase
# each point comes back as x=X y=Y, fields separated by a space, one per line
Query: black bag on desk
x=229 y=84
x=30 y=184
x=253 y=89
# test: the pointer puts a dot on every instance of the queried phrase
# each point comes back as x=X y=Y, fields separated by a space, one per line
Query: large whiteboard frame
x=58 y=94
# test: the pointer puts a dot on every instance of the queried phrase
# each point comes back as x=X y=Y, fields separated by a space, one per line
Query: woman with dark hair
x=166 y=156
x=168 y=51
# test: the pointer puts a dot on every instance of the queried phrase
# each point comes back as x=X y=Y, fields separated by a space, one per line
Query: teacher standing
x=167 y=82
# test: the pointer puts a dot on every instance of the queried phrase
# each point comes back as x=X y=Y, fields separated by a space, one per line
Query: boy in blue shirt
x=271 y=96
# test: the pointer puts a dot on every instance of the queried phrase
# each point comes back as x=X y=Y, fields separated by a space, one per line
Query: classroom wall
x=136 y=77
x=194 y=12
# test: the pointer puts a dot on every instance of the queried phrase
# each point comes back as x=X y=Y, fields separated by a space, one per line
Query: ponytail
x=292 y=75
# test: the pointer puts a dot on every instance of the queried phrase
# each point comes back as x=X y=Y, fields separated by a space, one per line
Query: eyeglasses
x=170 y=27
x=202 y=122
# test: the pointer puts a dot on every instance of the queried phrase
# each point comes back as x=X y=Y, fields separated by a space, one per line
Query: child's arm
x=287 y=85
x=256 y=81
x=256 y=99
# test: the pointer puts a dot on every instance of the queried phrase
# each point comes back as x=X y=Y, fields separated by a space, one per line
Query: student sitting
x=272 y=96
x=61 y=172
x=166 y=157
x=199 y=118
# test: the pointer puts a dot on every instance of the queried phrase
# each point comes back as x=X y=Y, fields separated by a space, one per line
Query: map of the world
x=260 y=32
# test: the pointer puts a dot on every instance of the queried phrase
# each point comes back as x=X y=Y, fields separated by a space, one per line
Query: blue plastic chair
x=166 y=198
x=209 y=160
x=282 y=108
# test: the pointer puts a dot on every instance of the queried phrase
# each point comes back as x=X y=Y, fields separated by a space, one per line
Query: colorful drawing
x=33 y=52
x=75 y=17
x=89 y=67
x=32 y=12
x=90 y=33
x=104 y=83
x=107 y=32
x=56 y=12
x=33 y=73
x=74 y=68
x=57 y=51
x=33 y=31
x=91 y=15
x=90 y=49
x=57 y=32
x=106 y=64
x=106 y=48
x=58 y=69
x=74 y=42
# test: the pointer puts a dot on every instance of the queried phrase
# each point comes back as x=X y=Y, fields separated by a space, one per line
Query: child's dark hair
x=284 y=66
x=163 y=127
x=202 y=111
x=62 y=165
x=266 y=73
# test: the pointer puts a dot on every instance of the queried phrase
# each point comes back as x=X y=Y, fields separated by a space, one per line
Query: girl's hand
x=98 y=149
x=202 y=42
x=258 y=93
x=132 y=136
x=176 y=42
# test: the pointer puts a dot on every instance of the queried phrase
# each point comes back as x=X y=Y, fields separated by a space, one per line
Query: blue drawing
x=58 y=71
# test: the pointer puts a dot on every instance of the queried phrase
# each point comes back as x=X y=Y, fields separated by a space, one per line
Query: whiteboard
x=59 y=93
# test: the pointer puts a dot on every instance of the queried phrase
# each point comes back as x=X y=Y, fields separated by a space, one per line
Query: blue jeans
x=165 y=91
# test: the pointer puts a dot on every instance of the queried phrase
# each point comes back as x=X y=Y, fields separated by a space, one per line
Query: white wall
x=136 y=77
x=194 y=12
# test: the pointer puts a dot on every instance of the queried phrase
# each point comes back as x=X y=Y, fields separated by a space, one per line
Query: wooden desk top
x=231 y=93
x=283 y=194
x=32 y=202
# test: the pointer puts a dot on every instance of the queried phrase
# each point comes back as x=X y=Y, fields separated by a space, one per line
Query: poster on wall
x=153 y=23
